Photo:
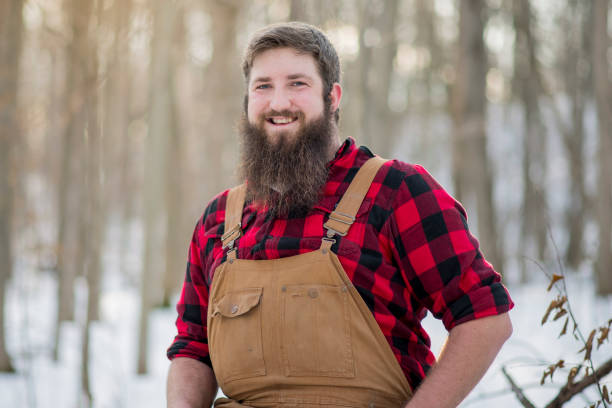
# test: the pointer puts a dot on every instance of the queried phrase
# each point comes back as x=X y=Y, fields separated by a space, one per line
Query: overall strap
x=233 y=218
x=341 y=219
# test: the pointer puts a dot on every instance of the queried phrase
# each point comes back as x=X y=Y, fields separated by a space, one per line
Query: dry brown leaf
x=606 y=394
x=555 y=278
x=572 y=374
x=550 y=370
x=564 y=330
x=588 y=347
x=559 y=314
x=554 y=304
x=603 y=335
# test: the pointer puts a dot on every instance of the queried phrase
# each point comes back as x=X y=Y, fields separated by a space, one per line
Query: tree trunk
x=603 y=90
x=534 y=221
x=176 y=234
x=84 y=132
x=315 y=12
x=71 y=195
x=362 y=134
x=578 y=82
x=95 y=217
x=156 y=161
x=118 y=145
x=377 y=50
x=224 y=97
x=473 y=178
x=298 y=11
x=11 y=26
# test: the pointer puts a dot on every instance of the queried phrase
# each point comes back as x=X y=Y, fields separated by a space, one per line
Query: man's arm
x=470 y=349
x=191 y=384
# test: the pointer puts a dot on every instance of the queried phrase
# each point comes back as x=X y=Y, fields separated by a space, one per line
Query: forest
x=118 y=124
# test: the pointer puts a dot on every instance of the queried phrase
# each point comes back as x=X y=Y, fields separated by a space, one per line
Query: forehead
x=283 y=62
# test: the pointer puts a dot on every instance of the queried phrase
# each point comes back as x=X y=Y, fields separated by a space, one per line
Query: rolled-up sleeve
x=440 y=259
x=191 y=340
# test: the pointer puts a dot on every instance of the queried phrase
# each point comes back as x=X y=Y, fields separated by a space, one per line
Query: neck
x=334 y=145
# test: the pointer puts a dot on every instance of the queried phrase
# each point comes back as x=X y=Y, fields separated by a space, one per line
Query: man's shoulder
x=214 y=213
x=405 y=168
x=400 y=182
x=395 y=173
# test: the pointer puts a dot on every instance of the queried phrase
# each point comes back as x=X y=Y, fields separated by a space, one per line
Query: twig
x=568 y=391
x=518 y=391
x=595 y=375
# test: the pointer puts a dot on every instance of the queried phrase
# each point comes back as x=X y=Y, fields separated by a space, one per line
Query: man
x=306 y=286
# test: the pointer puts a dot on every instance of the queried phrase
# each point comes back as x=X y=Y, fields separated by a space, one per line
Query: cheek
x=312 y=104
x=253 y=108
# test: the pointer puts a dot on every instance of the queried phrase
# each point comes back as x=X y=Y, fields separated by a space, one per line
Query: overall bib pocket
x=316 y=331
x=235 y=335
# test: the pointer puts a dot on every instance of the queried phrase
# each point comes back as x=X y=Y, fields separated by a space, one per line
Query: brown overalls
x=294 y=332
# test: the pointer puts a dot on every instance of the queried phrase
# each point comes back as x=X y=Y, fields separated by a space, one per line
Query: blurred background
x=118 y=125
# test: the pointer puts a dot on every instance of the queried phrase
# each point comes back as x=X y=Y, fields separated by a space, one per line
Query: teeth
x=282 y=120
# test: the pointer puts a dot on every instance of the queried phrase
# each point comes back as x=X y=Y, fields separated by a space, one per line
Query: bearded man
x=307 y=284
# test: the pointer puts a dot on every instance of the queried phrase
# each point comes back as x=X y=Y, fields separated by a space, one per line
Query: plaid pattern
x=408 y=251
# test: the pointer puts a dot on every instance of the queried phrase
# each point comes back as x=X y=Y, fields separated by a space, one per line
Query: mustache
x=283 y=113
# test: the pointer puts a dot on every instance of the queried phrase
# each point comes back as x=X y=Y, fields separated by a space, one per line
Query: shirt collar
x=347 y=156
x=345 y=149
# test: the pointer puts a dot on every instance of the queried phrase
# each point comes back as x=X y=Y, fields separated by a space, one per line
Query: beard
x=288 y=173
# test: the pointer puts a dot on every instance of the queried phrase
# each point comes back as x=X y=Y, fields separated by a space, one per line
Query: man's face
x=285 y=91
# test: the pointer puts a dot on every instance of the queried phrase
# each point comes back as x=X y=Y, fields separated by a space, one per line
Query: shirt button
x=313 y=293
x=234 y=309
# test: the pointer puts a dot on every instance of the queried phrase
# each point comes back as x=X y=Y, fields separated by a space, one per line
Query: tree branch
x=568 y=391
x=518 y=391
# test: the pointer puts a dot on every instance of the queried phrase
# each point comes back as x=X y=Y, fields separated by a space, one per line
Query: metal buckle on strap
x=232 y=235
x=350 y=218
x=331 y=232
x=330 y=239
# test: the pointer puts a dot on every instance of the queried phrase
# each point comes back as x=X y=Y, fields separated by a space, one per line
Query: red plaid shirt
x=408 y=251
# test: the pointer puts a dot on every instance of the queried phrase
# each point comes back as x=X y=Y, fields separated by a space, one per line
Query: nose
x=281 y=100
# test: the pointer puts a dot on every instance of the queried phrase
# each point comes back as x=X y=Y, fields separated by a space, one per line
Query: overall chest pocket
x=235 y=335
x=315 y=331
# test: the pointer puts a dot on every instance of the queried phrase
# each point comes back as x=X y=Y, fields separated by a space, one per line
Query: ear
x=335 y=95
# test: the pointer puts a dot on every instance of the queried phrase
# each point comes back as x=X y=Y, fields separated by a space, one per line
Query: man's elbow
x=504 y=327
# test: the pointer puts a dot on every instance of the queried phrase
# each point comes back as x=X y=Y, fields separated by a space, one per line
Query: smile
x=281 y=120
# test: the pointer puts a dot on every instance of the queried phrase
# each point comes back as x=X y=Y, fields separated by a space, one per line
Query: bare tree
x=11 y=24
x=377 y=50
x=298 y=11
x=472 y=173
x=427 y=36
x=83 y=134
x=526 y=77
x=117 y=143
x=316 y=12
x=603 y=90
x=176 y=233
x=574 y=65
x=223 y=96
x=160 y=116
x=528 y=84
x=70 y=190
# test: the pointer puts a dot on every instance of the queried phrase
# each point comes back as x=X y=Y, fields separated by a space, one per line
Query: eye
x=298 y=83
x=263 y=86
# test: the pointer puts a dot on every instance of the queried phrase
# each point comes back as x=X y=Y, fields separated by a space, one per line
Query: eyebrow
x=292 y=76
